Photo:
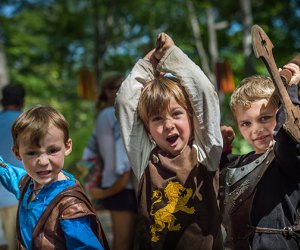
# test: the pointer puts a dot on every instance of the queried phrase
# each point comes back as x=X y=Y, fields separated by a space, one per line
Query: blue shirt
x=78 y=232
x=7 y=118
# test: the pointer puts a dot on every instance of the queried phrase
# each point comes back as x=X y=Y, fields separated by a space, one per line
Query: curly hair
x=252 y=89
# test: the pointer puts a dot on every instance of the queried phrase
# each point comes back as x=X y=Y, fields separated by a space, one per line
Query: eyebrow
x=177 y=107
x=243 y=121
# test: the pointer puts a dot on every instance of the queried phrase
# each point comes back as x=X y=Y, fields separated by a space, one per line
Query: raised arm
x=287 y=150
x=204 y=99
x=134 y=135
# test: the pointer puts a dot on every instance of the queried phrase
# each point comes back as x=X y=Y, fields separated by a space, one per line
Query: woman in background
x=117 y=192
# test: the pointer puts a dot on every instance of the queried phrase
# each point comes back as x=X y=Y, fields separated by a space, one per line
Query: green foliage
x=48 y=42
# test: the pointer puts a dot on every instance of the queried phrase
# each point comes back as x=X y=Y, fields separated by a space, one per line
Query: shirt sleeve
x=135 y=138
x=286 y=148
x=10 y=177
x=205 y=102
x=122 y=161
x=79 y=235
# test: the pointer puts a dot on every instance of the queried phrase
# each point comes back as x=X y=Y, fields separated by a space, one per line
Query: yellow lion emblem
x=177 y=202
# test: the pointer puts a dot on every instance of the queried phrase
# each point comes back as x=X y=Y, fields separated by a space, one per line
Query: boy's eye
x=265 y=118
x=30 y=153
x=245 y=124
x=156 y=118
x=177 y=113
x=53 y=150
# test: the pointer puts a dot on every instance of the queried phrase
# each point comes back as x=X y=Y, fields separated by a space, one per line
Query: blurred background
x=60 y=50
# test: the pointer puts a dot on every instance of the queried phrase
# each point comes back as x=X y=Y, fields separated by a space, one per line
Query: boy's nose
x=257 y=128
x=169 y=124
x=43 y=159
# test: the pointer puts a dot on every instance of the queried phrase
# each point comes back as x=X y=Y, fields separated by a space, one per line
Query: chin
x=261 y=150
x=176 y=152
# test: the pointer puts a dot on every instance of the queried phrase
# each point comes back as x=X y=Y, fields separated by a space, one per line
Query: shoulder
x=108 y=110
x=74 y=208
x=74 y=204
x=10 y=113
x=24 y=182
x=107 y=113
x=232 y=161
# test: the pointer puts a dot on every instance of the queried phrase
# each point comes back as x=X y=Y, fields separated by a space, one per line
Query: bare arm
x=120 y=184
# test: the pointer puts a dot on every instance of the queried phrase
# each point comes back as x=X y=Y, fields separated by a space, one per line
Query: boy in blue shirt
x=41 y=141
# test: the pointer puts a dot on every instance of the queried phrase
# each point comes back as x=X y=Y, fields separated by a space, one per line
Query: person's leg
x=105 y=219
x=123 y=224
x=9 y=225
x=3 y=242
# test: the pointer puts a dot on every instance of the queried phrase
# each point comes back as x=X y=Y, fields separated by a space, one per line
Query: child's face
x=256 y=124
x=171 y=129
x=44 y=162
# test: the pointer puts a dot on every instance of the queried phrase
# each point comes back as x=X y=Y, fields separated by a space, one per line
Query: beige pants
x=8 y=216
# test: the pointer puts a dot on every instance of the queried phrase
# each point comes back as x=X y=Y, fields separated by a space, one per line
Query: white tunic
x=204 y=100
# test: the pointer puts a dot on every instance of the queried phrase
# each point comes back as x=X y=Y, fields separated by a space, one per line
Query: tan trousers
x=8 y=216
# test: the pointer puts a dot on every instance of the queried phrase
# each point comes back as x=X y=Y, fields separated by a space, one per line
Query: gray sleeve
x=205 y=102
x=134 y=135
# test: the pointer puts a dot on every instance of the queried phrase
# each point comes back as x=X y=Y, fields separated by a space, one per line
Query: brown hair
x=112 y=81
x=157 y=94
x=252 y=89
x=36 y=121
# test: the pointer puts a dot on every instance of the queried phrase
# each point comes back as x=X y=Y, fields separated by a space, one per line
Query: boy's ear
x=16 y=153
x=68 y=146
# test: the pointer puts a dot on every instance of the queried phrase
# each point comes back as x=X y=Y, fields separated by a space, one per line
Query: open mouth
x=171 y=139
x=44 y=173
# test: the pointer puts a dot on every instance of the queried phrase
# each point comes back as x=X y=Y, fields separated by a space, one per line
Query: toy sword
x=262 y=47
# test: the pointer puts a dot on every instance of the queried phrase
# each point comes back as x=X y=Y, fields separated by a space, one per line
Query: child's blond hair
x=36 y=122
x=156 y=97
x=252 y=89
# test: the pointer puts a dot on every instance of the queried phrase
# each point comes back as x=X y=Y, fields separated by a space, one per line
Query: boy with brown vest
x=53 y=211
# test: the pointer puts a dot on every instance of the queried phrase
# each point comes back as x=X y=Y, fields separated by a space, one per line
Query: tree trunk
x=102 y=26
x=212 y=37
x=198 y=41
x=247 y=40
x=100 y=43
x=4 y=78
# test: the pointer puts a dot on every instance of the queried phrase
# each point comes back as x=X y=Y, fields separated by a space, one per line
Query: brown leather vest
x=237 y=188
x=69 y=204
x=178 y=204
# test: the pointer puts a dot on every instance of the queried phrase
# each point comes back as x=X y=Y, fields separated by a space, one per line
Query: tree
x=48 y=43
x=4 y=79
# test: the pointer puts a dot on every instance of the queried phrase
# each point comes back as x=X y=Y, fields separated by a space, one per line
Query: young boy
x=261 y=189
x=170 y=128
x=53 y=211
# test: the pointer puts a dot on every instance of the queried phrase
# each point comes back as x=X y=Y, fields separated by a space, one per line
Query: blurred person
x=12 y=101
x=116 y=193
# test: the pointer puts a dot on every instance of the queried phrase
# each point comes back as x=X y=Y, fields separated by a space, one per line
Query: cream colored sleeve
x=205 y=102
x=135 y=137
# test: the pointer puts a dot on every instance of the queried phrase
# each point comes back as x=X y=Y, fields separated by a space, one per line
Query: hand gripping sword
x=262 y=47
